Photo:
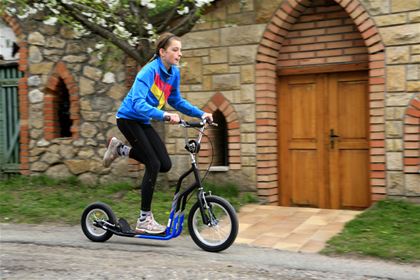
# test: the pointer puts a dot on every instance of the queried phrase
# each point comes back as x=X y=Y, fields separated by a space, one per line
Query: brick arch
x=22 y=92
x=266 y=101
x=219 y=102
x=50 y=120
x=412 y=137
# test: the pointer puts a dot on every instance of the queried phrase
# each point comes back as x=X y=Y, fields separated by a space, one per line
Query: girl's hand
x=171 y=118
x=207 y=116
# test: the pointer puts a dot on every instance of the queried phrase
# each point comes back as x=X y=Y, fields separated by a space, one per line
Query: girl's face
x=172 y=54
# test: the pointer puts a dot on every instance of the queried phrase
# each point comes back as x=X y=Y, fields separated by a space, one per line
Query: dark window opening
x=15 y=49
x=220 y=140
x=63 y=110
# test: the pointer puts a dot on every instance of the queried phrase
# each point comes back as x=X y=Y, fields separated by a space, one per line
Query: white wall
x=7 y=37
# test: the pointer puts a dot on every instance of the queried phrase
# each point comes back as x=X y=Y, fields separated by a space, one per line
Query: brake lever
x=183 y=123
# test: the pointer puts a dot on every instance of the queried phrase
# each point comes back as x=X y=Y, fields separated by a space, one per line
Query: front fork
x=201 y=196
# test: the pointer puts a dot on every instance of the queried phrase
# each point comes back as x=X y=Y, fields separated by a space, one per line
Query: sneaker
x=149 y=225
x=111 y=152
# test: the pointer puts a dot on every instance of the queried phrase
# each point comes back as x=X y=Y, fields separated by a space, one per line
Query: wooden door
x=349 y=151
x=323 y=137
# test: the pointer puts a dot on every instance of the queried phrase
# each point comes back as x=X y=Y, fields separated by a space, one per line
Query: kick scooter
x=212 y=221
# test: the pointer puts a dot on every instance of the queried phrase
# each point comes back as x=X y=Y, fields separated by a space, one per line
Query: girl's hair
x=164 y=40
x=163 y=43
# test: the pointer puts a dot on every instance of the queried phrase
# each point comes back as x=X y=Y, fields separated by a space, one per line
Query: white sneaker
x=149 y=226
x=111 y=152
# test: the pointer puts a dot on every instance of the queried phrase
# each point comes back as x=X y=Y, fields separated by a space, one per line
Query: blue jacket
x=152 y=88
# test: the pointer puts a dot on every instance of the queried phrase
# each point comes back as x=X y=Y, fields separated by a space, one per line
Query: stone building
x=67 y=104
x=318 y=100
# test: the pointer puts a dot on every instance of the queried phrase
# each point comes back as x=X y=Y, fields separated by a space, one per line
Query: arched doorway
x=322 y=97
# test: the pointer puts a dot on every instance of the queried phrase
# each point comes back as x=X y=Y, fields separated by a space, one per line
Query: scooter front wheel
x=93 y=215
x=221 y=228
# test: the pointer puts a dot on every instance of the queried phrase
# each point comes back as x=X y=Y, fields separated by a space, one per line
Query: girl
x=157 y=83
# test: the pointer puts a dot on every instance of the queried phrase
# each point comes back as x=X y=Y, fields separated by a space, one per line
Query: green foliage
x=390 y=229
x=162 y=5
x=224 y=189
x=230 y=191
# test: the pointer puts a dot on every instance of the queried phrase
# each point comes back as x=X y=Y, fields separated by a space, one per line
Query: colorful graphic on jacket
x=161 y=90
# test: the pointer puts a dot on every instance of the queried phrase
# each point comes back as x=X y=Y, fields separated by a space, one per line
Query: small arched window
x=218 y=136
x=62 y=107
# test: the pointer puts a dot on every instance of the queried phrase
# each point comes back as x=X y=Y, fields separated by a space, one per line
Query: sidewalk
x=290 y=228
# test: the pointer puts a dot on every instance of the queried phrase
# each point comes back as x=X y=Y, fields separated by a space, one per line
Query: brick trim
x=219 y=102
x=22 y=93
x=266 y=102
x=51 y=126
x=412 y=137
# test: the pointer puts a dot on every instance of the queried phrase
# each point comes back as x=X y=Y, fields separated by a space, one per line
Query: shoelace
x=155 y=223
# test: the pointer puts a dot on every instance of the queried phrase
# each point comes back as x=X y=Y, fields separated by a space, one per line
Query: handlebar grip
x=194 y=124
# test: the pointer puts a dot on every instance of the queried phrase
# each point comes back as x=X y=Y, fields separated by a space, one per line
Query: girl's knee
x=153 y=166
x=165 y=166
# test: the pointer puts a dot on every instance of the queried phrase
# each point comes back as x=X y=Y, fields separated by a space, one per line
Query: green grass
x=39 y=199
x=389 y=230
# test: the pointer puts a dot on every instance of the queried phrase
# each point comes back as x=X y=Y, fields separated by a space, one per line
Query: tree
x=130 y=25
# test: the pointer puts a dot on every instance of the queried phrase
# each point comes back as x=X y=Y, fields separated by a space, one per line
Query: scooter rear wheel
x=97 y=212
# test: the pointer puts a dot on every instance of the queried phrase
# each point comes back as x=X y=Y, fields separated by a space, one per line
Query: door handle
x=332 y=138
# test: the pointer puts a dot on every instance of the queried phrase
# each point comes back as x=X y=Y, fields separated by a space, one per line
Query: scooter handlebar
x=192 y=124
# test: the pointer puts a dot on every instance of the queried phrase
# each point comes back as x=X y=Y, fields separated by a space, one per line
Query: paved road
x=58 y=252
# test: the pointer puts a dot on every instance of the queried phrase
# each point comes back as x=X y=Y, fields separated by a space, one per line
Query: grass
x=39 y=199
x=389 y=230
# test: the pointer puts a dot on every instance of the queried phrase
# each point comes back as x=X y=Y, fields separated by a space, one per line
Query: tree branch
x=106 y=34
x=134 y=9
x=137 y=26
x=169 y=18
x=186 y=24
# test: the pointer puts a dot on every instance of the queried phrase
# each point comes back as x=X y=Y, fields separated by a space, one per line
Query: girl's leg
x=147 y=148
x=159 y=148
x=143 y=150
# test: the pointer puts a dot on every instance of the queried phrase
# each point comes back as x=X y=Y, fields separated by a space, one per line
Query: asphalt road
x=59 y=252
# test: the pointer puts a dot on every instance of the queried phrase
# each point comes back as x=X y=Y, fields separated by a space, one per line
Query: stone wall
x=219 y=74
x=221 y=56
x=399 y=24
x=49 y=54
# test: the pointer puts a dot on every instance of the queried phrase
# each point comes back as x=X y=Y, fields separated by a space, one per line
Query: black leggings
x=147 y=148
